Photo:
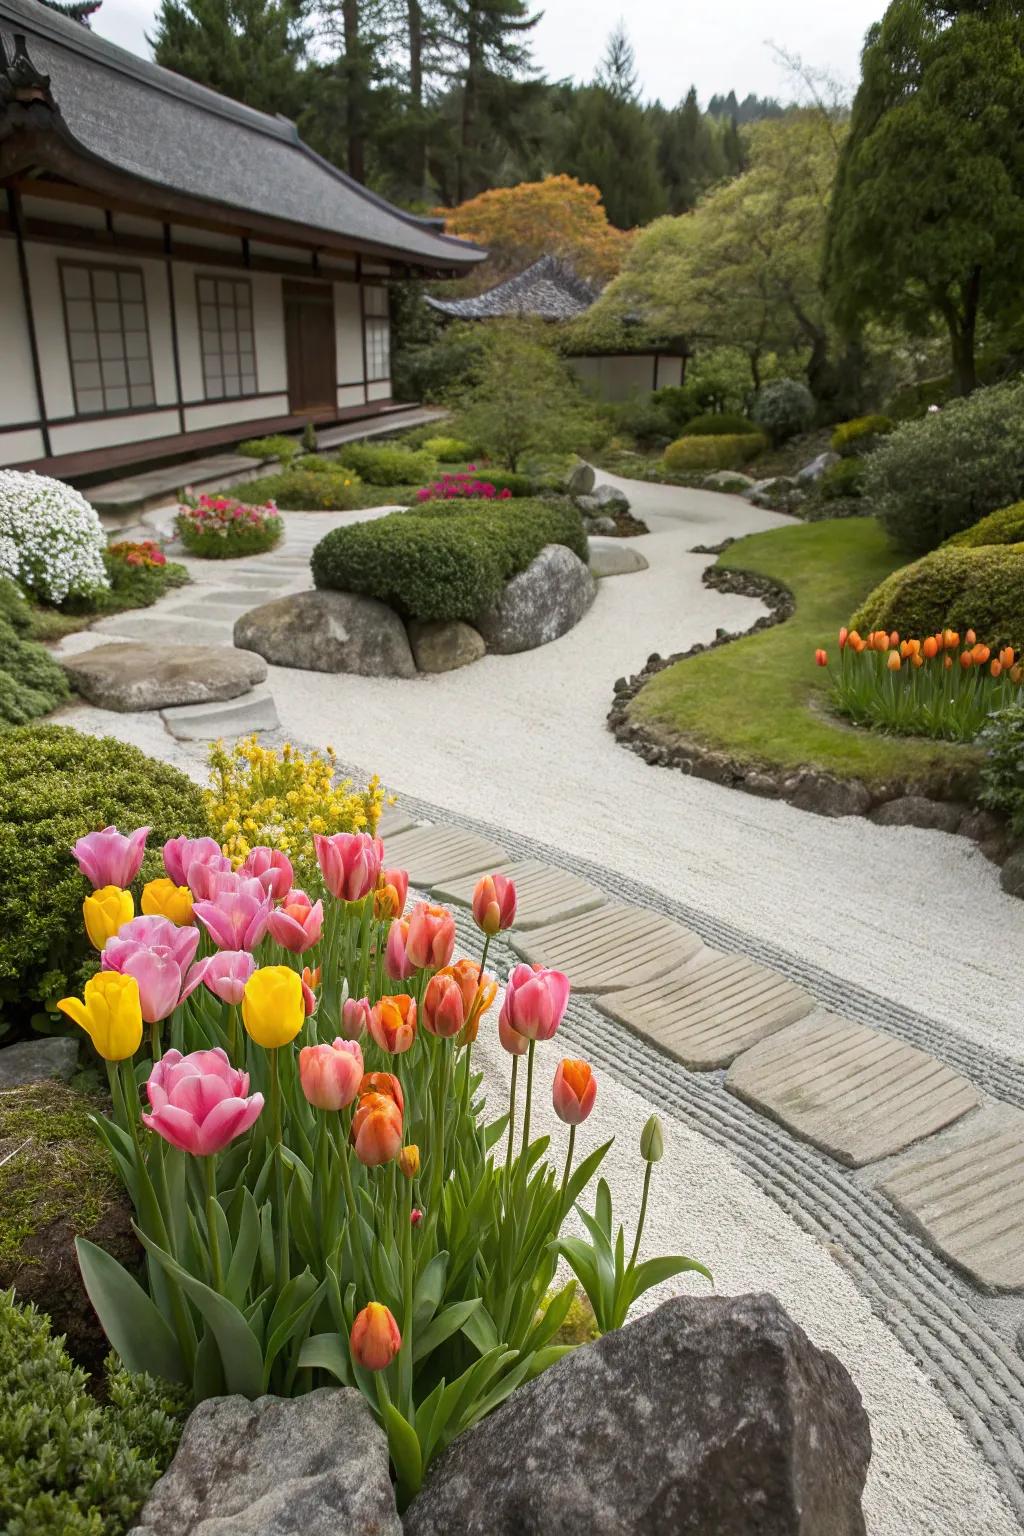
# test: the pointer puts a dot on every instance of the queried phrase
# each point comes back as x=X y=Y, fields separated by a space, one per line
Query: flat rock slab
x=434 y=854
x=253 y=711
x=711 y=1009
x=610 y=949
x=329 y=632
x=544 y=894
x=153 y=676
x=852 y=1091
x=392 y=821
x=166 y=632
x=964 y=1194
x=32 y=1061
x=613 y=557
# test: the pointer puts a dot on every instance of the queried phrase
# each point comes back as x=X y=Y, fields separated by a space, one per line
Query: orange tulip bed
x=320 y=1191
x=936 y=687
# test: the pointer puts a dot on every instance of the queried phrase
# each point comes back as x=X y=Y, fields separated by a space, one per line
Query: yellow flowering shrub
x=259 y=796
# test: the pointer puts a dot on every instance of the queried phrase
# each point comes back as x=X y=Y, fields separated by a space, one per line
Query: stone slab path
x=544 y=894
x=610 y=949
x=433 y=854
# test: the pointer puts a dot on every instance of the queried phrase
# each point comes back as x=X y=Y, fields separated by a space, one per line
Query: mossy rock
x=57 y=1183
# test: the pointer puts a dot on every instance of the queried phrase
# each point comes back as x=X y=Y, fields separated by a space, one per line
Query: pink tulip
x=515 y=1043
x=297 y=923
x=355 y=1017
x=199 y=1101
x=158 y=976
x=331 y=1074
x=350 y=863
x=494 y=904
x=431 y=937
x=180 y=853
x=396 y=961
x=154 y=932
x=273 y=869
x=110 y=858
x=235 y=919
x=535 y=1001
x=208 y=881
x=573 y=1091
x=224 y=974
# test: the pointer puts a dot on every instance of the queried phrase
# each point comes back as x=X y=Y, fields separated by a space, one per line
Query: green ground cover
x=761 y=698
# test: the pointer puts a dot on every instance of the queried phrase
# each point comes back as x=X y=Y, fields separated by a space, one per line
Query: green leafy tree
x=928 y=213
x=251 y=50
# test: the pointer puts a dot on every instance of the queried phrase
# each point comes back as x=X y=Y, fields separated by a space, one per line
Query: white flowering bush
x=51 y=540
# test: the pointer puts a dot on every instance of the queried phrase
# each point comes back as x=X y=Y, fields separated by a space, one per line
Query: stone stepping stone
x=854 y=1092
x=165 y=631
x=711 y=1009
x=544 y=894
x=137 y=677
x=437 y=853
x=213 y=613
x=392 y=821
x=236 y=597
x=254 y=711
x=610 y=949
x=964 y=1194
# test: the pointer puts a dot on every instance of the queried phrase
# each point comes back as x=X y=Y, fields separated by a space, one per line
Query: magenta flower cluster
x=224 y=515
x=452 y=486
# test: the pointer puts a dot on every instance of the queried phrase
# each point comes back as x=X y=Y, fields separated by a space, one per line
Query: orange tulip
x=444 y=1012
x=431 y=936
x=376 y=1130
x=821 y=657
x=1006 y=656
x=930 y=647
x=409 y=1161
x=894 y=662
x=375 y=1339
x=844 y=635
x=917 y=660
x=996 y=668
x=950 y=639
x=947 y=662
x=393 y=1023
x=390 y=896
x=854 y=639
x=387 y=1084
x=573 y=1091
x=966 y=659
x=894 y=638
x=1017 y=673
x=881 y=640
x=970 y=637
x=981 y=654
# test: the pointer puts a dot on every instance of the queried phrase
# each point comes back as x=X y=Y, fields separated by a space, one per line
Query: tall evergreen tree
x=487 y=45
x=617 y=70
x=251 y=50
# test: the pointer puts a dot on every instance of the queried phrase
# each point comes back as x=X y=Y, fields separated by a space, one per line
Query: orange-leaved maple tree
x=558 y=216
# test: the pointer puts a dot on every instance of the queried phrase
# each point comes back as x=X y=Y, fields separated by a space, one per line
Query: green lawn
x=761 y=698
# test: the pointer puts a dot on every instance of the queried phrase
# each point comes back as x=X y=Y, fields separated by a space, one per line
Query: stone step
x=212 y=613
x=544 y=894
x=964 y=1194
x=394 y=820
x=438 y=853
x=167 y=631
x=711 y=1009
x=245 y=595
x=854 y=1092
x=253 y=711
x=610 y=949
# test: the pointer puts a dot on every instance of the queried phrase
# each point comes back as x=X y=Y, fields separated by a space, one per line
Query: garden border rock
x=901 y=802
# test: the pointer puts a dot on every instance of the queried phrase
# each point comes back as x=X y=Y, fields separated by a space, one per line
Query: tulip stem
x=355 y=1226
x=154 y=1041
x=210 y=1169
x=566 y=1171
x=280 y=1201
x=529 y=1098
x=405 y=1353
x=131 y=1103
x=643 y=1217
x=511 y=1130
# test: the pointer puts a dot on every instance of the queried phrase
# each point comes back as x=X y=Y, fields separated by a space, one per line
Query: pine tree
x=486 y=45
x=251 y=50
x=617 y=70
x=76 y=10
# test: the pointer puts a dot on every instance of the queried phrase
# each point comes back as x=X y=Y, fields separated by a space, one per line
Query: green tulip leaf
x=243 y=1258
x=443 y=1326
x=429 y=1289
x=131 y=1321
x=239 y=1347
x=480 y=1330
x=406 y=1455
x=327 y=1352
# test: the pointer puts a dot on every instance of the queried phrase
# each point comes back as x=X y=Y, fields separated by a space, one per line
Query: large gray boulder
x=710 y=1416
x=441 y=645
x=614 y=557
x=1011 y=876
x=329 y=632
x=304 y=1466
x=581 y=480
x=816 y=468
x=728 y=480
x=538 y=605
x=32 y=1061
x=611 y=500
x=778 y=494
x=133 y=675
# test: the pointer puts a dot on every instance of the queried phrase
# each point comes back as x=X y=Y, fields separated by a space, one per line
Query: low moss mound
x=1003 y=527
x=959 y=588
x=729 y=451
x=447 y=559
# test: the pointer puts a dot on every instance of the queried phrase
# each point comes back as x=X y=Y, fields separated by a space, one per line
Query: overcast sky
x=718 y=46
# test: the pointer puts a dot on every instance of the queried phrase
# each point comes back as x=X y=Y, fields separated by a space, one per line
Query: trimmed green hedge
x=447 y=559
x=1003 y=527
x=720 y=424
x=56 y=785
x=69 y=1467
x=448 y=450
x=306 y=490
x=387 y=463
x=980 y=589
x=31 y=682
x=688 y=454
x=277 y=446
x=861 y=434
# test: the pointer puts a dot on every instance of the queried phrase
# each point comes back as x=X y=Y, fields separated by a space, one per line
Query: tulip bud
x=375 y=1339
x=390 y=896
x=105 y=911
x=844 y=635
x=930 y=647
x=387 y=1084
x=431 y=936
x=310 y=982
x=396 y=960
x=652 y=1142
x=376 y=1130
x=162 y=898
x=573 y=1091
x=111 y=1014
x=355 y=1017
x=894 y=662
x=970 y=637
x=494 y=904
x=416 y=1216
x=409 y=1161
x=821 y=658
x=995 y=668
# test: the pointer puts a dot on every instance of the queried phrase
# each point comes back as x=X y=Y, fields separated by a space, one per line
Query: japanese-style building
x=550 y=290
x=177 y=271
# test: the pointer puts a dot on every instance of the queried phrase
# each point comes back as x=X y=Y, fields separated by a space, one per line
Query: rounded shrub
x=448 y=450
x=1003 y=527
x=276 y=446
x=720 y=424
x=1002 y=775
x=444 y=560
x=860 y=435
x=51 y=540
x=783 y=408
x=222 y=528
x=309 y=490
x=31 y=682
x=931 y=478
x=56 y=785
x=693 y=454
x=841 y=480
x=387 y=463
x=677 y=404
x=980 y=589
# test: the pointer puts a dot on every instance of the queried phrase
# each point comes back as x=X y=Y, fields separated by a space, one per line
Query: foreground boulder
x=714 y=1417
x=441 y=645
x=581 y=480
x=538 y=605
x=613 y=557
x=131 y=675
x=329 y=632
x=313 y=1466
x=610 y=500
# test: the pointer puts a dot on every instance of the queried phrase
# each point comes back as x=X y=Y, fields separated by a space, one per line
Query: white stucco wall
x=18 y=402
x=348 y=335
x=615 y=378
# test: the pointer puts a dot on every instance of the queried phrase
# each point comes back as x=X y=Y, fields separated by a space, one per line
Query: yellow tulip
x=162 y=898
x=104 y=912
x=111 y=1014
x=273 y=1010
